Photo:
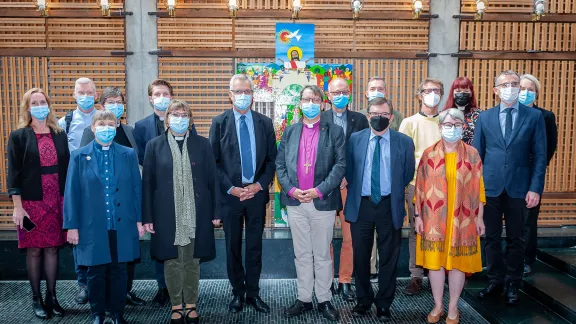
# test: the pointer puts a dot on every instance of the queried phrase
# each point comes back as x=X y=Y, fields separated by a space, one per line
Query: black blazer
x=224 y=143
x=355 y=121
x=24 y=171
x=551 y=132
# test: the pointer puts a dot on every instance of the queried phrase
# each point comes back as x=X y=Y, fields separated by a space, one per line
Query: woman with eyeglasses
x=180 y=206
x=463 y=97
x=449 y=213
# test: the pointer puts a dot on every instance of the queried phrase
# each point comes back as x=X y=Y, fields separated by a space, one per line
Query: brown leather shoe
x=453 y=320
x=414 y=287
x=435 y=318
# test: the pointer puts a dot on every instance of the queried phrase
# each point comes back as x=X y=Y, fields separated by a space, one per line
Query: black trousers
x=503 y=269
x=107 y=283
x=251 y=214
x=531 y=234
x=372 y=216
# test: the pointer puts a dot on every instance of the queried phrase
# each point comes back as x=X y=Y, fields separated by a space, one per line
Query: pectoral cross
x=307 y=165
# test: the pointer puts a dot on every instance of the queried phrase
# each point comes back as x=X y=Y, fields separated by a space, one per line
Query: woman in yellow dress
x=449 y=213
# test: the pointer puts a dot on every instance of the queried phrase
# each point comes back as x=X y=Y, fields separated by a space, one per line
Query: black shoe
x=98 y=319
x=511 y=294
x=328 y=311
x=161 y=297
x=119 y=319
x=374 y=278
x=133 y=300
x=361 y=310
x=39 y=309
x=492 y=290
x=236 y=305
x=527 y=270
x=346 y=290
x=179 y=320
x=52 y=306
x=258 y=304
x=82 y=296
x=191 y=320
x=297 y=309
x=383 y=314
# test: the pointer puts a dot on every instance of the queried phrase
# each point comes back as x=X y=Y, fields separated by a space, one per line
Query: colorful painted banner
x=262 y=75
x=294 y=45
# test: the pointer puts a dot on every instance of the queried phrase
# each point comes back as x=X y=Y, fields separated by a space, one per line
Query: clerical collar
x=311 y=125
x=105 y=148
x=423 y=114
x=161 y=118
x=179 y=138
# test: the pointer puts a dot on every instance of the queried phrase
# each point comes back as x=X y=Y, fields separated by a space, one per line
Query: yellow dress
x=434 y=260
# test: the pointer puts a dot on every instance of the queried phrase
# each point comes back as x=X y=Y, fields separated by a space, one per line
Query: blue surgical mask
x=311 y=110
x=527 y=97
x=105 y=134
x=40 y=112
x=374 y=95
x=179 y=125
x=242 y=101
x=161 y=103
x=341 y=101
x=85 y=102
x=117 y=109
x=452 y=134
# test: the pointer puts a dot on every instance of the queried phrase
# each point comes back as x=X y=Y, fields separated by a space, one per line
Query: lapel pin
x=88 y=158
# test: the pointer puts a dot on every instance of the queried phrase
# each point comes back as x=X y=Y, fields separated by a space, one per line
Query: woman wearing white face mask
x=450 y=179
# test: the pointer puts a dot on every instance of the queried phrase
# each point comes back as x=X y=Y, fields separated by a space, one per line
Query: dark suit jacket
x=520 y=165
x=402 y=164
x=224 y=143
x=329 y=169
x=355 y=121
x=24 y=171
x=551 y=132
x=88 y=136
x=158 y=197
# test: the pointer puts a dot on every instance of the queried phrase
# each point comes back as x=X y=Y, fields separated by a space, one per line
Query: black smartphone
x=28 y=224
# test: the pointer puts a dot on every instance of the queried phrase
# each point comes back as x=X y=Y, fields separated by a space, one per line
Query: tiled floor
x=214 y=297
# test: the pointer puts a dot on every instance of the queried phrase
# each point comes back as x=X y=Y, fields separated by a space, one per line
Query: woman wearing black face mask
x=462 y=96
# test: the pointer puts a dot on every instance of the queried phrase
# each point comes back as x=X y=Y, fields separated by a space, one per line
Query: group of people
x=89 y=180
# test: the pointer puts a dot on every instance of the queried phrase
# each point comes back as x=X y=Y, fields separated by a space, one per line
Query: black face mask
x=379 y=123
x=462 y=99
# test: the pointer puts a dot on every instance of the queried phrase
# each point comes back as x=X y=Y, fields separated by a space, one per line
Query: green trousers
x=183 y=276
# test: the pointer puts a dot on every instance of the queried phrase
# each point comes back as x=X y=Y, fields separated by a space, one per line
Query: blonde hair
x=174 y=105
x=532 y=78
x=433 y=81
x=25 y=118
x=103 y=115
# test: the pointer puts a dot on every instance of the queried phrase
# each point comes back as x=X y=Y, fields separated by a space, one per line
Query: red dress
x=45 y=213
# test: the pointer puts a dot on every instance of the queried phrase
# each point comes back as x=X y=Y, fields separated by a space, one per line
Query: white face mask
x=509 y=95
x=431 y=99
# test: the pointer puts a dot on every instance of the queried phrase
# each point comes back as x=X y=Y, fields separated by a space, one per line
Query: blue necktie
x=375 y=193
x=508 y=128
x=246 y=149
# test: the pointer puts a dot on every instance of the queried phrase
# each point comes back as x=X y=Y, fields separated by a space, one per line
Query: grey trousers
x=183 y=276
x=415 y=271
x=312 y=232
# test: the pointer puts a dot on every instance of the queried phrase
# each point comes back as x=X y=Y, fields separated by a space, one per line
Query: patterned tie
x=508 y=128
x=375 y=193
x=246 y=149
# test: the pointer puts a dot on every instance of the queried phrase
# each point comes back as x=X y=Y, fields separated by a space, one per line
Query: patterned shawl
x=432 y=199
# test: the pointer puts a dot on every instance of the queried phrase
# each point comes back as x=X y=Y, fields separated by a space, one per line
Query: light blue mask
x=341 y=101
x=85 y=102
x=105 y=134
x=161 y=103
x=242 y=101
x=179 y=125
x=117 y=109
x=452 y=134
x=527 y=97
x=311 y=110
x=374 y=95
x=40 y=112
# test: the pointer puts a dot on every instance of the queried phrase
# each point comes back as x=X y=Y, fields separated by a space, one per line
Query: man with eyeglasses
x=351 y=122
x=244 y=145
x=423 y=129
x=380 y=164
x=511 y=140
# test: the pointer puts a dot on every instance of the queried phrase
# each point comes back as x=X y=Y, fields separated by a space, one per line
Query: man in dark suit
x=310 y=167
x=244 y=146
x=511 y=140
x=351 y=122
x=380 y=164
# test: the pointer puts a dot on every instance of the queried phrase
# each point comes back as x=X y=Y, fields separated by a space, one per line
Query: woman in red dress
x=37 y=164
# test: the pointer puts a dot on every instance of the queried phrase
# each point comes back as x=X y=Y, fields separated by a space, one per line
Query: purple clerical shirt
x=307 y=157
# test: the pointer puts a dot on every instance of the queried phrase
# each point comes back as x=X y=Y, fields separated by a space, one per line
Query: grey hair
x=532 y=78
x=315 y=89
x=103 y=115
x=507 y=72
x=242 y=77
x=452 y=112
x=377 y=78
x=83 y=81
x=110 y=92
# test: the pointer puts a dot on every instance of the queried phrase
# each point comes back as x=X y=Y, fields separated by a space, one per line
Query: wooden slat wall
x=96 y=33
x=18 y=33
x=252 y=34
x=520 y=6
x=287 y=4
x=189 y=33
x=60 y=4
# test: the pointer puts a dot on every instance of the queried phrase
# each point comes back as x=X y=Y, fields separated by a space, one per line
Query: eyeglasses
x=508 y=85
x=113 y=102
x=314 y=100
x=340 y=93
x=238 y=92
x=180 y=115
x=450 y=125
x=384 y=114
x=427 y=91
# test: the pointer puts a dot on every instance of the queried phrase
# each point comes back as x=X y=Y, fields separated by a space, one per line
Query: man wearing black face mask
x=380 y=164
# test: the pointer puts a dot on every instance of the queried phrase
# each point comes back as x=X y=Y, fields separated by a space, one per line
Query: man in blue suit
x=380 y=165
x=511 y=140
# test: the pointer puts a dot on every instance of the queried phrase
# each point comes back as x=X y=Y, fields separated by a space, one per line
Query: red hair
x=461 y=83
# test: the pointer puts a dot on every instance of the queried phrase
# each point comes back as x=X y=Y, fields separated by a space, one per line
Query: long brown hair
x=26 y=119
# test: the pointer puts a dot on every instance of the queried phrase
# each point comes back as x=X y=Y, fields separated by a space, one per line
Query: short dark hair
x=315 y=89
x=380 y=102
x=160 y=82
x=110 y=92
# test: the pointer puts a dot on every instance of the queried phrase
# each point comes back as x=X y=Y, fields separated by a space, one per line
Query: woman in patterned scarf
x=180 y=197
x=449 y=213
x=463 y=97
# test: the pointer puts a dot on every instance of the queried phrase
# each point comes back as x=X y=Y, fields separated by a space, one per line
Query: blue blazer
x=402 y=164
x=520 y=165
x=84 y=207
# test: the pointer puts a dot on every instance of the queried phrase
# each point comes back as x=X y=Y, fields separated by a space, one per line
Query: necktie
x=246 y=149
x=375 y=193
x=508 y=127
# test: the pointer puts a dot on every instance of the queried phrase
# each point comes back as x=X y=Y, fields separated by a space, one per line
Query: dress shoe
x=374 y=277
x=328 y=311
x=133 y=300
x=98 y=319
x=179 y=320
x=82 y=296
x=119 y=319
x=297 y=309
x=236 y=305
x=52 y=306
x=361 y=310
x=188 y=318
x=39 y=309
x=414 y=287
x=435 y=318
x=511 y=294
x=161 y=297
x=492 y=290
x=383 y=314
x=346 y=290
x=453 y=320
x=258 y=304
x=527 y=270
